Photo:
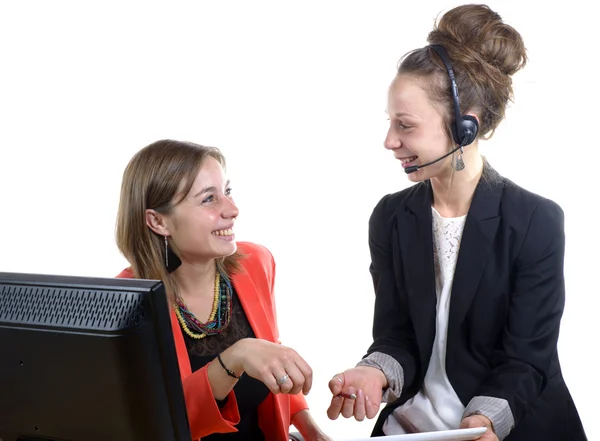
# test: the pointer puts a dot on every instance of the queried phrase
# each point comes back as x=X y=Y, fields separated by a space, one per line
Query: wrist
x=305 y=424
x=233 y=358
x=378 y=373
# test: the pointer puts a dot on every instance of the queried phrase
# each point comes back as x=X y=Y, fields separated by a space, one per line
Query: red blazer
x=254 y=287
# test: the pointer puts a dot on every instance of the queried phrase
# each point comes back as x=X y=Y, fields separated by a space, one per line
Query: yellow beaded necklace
x=211 y=318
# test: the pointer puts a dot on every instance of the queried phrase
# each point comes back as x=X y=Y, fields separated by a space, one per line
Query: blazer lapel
x=261 y=321
x=416 y=251
x=475 y=248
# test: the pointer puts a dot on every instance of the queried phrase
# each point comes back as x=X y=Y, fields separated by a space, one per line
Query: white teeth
x=227 y=232
x=406 y=160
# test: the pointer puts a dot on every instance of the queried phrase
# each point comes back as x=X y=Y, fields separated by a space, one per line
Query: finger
x=282 y=380
x=348 y=405
x=336 y=384
x=334 y=409
x=296 y=380
x=473 y=421
x=359 y=406
x=372 y=408
x=306 y=372
x=269 y=380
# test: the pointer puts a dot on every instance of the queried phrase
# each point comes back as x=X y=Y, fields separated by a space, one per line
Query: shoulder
x=256 y=259
x=529 y=208
x=535 y=222
x=127 y=273
x=253 y=254
x=389 y=204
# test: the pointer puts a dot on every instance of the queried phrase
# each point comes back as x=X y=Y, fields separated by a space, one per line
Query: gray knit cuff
x=496 y=409
x=392 y=370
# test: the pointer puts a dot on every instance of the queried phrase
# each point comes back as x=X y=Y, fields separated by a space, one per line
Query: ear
x=157 y=222
x=472 y=114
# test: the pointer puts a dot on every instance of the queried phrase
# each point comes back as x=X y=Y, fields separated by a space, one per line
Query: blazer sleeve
x=297 y=401
x=205 y=416
x=521 y=364
x=393 y=332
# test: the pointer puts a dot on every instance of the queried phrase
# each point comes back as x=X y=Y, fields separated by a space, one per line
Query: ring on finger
x=283 y=379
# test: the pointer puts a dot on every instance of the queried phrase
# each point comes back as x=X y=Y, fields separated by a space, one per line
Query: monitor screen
x=88 y=359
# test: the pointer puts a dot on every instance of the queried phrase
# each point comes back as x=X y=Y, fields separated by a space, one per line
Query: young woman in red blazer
x=176 y=224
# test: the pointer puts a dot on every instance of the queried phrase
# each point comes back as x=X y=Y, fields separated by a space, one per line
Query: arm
x=394 y=348
x=522 y=361
x=307 y=426
x=201 y=390
x=206 y=414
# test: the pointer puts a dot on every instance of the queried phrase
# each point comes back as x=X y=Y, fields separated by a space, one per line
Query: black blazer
x=506 y=304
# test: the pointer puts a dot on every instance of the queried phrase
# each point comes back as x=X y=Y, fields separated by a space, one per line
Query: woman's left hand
x=480 y=421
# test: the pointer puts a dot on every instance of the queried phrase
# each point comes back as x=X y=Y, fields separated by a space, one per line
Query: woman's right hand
x=367 y=383
x=269 y=362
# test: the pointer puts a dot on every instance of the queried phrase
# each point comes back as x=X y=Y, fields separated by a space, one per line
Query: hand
x=269 y=362
x=367 y=383
x=480 y=421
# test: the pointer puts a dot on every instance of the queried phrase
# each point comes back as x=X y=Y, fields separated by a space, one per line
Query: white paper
x=444 y=435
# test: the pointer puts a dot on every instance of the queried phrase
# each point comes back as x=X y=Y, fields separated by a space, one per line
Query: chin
x=227 y=248
x=418 y=176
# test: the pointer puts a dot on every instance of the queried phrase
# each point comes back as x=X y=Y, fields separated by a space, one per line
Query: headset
x=464 y=127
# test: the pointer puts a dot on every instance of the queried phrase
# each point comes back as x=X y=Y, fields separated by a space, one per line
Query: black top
x=249 y=392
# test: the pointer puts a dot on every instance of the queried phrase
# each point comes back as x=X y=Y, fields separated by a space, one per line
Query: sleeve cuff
x=392 y=370
x=496 y=409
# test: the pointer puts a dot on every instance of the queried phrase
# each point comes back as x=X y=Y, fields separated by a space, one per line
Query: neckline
x=458 y=218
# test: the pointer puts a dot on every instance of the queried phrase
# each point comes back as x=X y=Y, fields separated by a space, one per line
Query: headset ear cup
x=469 y=127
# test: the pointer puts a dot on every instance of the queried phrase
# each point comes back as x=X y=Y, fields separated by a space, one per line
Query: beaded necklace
x=220 y=315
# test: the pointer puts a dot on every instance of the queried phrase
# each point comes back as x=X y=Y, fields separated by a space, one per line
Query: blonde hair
x=159 y=177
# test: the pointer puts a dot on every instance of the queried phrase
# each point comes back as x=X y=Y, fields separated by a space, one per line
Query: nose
x=230 y=210
x=392 y=141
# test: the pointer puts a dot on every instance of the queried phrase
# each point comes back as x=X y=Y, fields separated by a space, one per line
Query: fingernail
x=360 y=393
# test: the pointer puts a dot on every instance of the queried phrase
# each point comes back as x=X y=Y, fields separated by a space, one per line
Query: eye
x=228 y=192
x=208 y=199
x=403 y=126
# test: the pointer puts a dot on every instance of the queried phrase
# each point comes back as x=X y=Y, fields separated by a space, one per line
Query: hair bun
x=476 y=34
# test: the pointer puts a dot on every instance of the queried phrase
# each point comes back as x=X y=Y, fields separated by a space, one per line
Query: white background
x=294 y=93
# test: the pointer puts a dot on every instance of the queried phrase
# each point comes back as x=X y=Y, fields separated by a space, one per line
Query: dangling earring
x=172 y=260
x=459 y=164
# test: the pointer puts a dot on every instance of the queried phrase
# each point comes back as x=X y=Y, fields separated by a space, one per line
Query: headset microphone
x=414 y=168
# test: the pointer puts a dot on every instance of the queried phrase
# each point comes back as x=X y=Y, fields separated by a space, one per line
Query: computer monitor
x=88 y=359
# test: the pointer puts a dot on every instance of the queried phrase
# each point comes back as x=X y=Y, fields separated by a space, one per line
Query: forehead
x=211 y=174
x=408 y=96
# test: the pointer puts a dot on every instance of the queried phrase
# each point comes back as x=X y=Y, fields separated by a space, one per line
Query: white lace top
x=436 y=406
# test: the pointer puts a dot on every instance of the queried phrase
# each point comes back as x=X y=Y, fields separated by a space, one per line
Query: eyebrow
x=209 y=189
x=401 y=114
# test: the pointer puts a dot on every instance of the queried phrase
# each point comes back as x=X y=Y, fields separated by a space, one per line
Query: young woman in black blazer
x=467 y=266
